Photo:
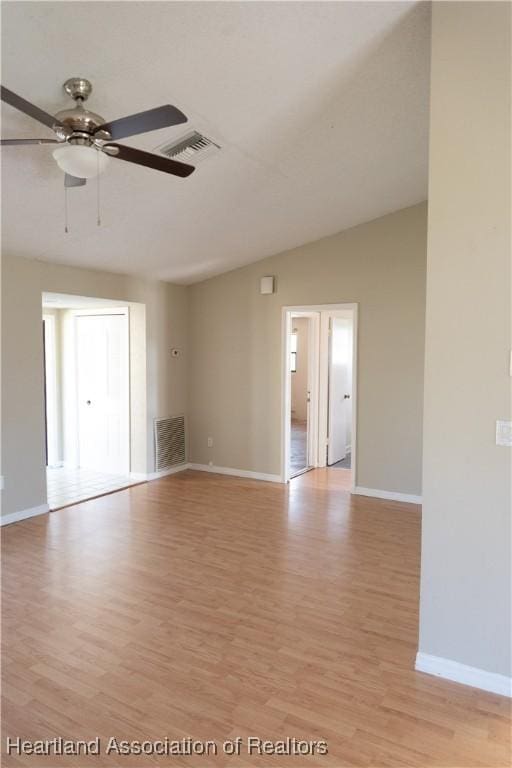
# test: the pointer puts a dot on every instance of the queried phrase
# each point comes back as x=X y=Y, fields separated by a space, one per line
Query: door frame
x=125 y=312
x=319 y=371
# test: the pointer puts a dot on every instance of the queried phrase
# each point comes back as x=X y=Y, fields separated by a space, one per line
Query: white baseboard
x=145 y=476
x=236 y=472
x=461 y=673
x=409 y=498
x=24 y=514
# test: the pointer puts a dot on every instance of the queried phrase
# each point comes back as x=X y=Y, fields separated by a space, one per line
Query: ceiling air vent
x=191 y=148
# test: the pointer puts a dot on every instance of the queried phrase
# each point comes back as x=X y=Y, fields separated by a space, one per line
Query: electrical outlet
x=210 y=442
x=504 y=432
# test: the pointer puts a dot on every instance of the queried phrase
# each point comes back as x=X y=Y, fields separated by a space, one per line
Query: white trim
x=24 y=514
x=146 y=476
x=286 y=327
x=462 y=673
x=236 y=472
x=409 y=498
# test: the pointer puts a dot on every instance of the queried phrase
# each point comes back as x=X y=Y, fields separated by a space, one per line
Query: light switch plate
x=503 y=432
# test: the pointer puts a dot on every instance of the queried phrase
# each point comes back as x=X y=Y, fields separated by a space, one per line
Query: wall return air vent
x=169 y=442
x=191 y=148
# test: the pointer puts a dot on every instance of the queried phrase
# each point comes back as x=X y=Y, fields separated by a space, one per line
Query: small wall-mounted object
x=267 y=285
x=504 y=432
x=175 y=352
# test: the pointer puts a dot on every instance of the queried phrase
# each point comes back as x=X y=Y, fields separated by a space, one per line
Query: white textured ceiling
x=321 y=110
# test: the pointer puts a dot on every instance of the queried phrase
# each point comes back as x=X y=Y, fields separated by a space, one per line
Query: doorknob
x=87 y=402
x=346 y=397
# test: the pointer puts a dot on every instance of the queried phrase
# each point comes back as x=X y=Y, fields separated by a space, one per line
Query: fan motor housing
x=79 y=119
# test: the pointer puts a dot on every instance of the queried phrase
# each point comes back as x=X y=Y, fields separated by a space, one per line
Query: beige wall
x=466 y=542
x=23 y=282
x=299 y=379
x=235 y=362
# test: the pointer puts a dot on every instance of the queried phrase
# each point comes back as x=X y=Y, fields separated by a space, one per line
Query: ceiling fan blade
x=73 y=181
x=13 y=142
x=151 y=120
x=29 y=109
x=156 y=162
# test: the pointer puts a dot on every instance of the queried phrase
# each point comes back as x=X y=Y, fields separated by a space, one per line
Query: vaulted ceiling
x=321 y=110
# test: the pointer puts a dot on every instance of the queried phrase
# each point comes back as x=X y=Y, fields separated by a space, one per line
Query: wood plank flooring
x=213 y=607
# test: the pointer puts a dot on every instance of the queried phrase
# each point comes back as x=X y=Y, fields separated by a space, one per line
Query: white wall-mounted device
x=267 y=285
x=503 y=432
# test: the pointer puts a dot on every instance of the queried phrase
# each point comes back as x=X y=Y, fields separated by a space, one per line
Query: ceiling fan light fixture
x=80 y=161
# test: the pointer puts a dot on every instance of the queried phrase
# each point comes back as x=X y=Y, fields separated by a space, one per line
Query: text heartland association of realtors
x=252 y=745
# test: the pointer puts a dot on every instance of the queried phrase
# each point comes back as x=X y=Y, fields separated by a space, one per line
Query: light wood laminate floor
x=214 y=607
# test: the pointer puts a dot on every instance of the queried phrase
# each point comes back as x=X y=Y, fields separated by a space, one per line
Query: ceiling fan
x=88 y=140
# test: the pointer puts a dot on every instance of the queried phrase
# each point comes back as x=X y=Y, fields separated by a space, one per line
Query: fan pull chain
x=98 y=220
x=66 y=230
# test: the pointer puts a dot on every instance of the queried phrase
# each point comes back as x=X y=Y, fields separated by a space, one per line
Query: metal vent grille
x=169 y=442
x=191 y=148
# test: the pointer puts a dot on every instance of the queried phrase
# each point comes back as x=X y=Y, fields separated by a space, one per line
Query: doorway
x=319 y=390
x=87 y=398
x=300 y=394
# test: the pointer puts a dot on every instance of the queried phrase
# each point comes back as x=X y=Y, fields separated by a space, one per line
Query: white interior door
x=103 y=392
x=340 y=389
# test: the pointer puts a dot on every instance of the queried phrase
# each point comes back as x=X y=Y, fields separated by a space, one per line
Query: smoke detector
x=191 y=148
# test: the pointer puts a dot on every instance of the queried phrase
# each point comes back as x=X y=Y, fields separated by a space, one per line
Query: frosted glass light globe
x=80 y=161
